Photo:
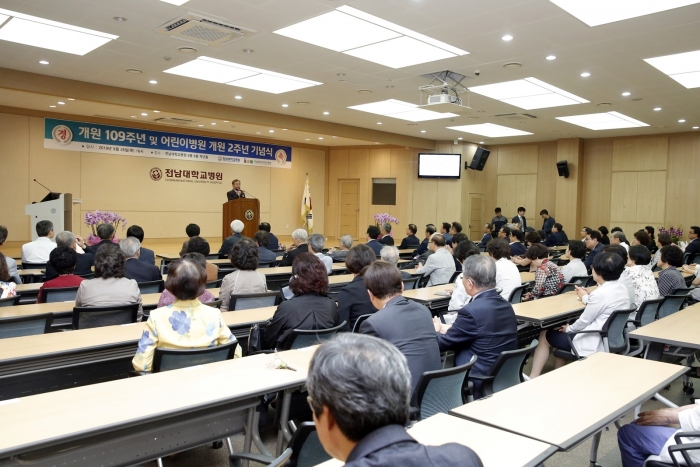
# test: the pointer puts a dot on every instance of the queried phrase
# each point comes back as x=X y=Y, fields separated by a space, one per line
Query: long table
x=549 y=311
x=679 y=329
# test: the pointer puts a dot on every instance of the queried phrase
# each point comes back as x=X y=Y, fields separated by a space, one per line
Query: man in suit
x=105 y=232
x=592 y=242
x=262 y=238
x=445 y=231
x=146 y=255
x=84 y=262
x=401 y=321
x=410 y=241
x=423 y=247
x=486 y=326
x=236 y=227
x=548 y=222
x=359 y=388
x=139 y=271
x=299 y=237
x=274 y=243
x=693 y=246
x=558 y=236
x=338 y=255
x=520 y=219
x=386 y=239
x=516 y=243
x=236 y=192
x=372 y=235
x=487 y=236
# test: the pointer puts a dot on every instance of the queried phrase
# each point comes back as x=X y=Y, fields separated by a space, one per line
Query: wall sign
x=68 y=135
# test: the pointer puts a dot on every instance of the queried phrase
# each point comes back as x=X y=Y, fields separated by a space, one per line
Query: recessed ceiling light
x=200 y=125
x=379 y=123
x=71 y=99
x=52 y=106
x=213 y=123
x=528 y=93
x=368 y=37
x=365 y=91
x=225 y=121
x=696 y=127
x=52 y=35
x=284 y=129
x=156 y=111
x=460 y=138
x=153 y=81
x=285 y=105
x=512 y=65
x=595 y=13
x=43 y=62
x=551 y=57
x=679 y=121
x=175 y=2
x=134 y=71
x=683 y=68
x=308 y=139
x=121 y=19
x=603 y=121
x=326 y=113
x=133 y=116
x=507 y=37
x=625 y=94
x=187 y=50
x=489 y=129
x=402 y=110
x=144 y=114
x=422 y=131
x=61 y=103
x=481 y=142
x=585 y=74
x=340 y=74
x=656 y=109
x=320 y=138
x=248 y=51
x=335 y=137
x=238 y=97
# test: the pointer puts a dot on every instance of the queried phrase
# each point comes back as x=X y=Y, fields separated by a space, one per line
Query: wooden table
x=427 y=297
x=546 y=312
x=566 y=406
x=527 y=277
x=679 y=329
x=685 y=274
x=31 y=272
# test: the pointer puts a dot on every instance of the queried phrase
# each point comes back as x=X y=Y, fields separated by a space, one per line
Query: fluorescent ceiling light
x=684 y=68
x=175 y=2
x=47 y=34
x=402 y=110
x=234 y=74
x=528 y=93
x=368 y=37
x=489 y=129
x=603 y=121
x=597 y=12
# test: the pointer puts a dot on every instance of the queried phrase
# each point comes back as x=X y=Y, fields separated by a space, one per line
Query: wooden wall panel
x=358 y=167
x=651 y=197
x=546 y=188
x=683 y=180
x=14 y=188
x=567 y=204
x=623 y=204
x=517 y=159
x=380 y=162
x=640 y=154
x=403 y=169
x=596 y=197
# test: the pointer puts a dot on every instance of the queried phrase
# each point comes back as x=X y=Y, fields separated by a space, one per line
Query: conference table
x=677 y=330
x=549 y=311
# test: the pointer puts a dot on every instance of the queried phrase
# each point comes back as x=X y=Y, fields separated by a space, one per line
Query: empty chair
x=151 y=287
x=10 y=301
x=306 y=450
x=59 y=294
x=410 y=284
x=614 y=334
x=507 y=371
x=174 y=359
x=440 y=391
x=516 y=295
x=300 y=338
x=361 y=319
x=25 y=325
x=253 y=300
x=97 y=316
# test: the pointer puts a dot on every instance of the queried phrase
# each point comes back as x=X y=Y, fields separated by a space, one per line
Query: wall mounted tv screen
x=439 y=165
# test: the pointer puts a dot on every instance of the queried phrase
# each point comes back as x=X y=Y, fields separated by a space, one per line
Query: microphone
x=251 y=194
x=35 y=180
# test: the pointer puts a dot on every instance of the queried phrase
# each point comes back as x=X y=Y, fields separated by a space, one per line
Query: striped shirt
x=670 y=279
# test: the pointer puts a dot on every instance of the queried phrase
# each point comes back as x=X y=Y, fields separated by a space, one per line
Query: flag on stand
x=307 y=213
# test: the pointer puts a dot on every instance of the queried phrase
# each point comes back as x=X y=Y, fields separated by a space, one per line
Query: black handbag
x=256 y=338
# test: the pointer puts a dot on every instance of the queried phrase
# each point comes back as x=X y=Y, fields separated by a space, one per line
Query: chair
x=277 y=462
x=172 y=359
x=454 y=277
x=647 y=312
x=300 y=338
x=410 y=284
x=59 y=294
x=671 y=304
x=85 y=317
x=266 y=265
x=253 y=300
x=223 y=272
x=305 y=447
x=214 y=284
x=33 y=265
x=277 y=282
x=482 y=249
x=361 y=319
x=423 y=281
x=90 y=275
x=10 y=301
x=440 y=391
x=25 y=325
x=678 y=448
x=582 y=281
x=516 y=295
x=164 y=263
x=212 y=256
x=614 y=334
x=151 y=287
x=686 y=258
x=507 y=370
x=214 y=303
x=569 y=287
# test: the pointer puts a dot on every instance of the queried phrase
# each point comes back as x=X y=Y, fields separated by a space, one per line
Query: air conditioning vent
x=195 y=28
x=174 y=121
x=515 y=117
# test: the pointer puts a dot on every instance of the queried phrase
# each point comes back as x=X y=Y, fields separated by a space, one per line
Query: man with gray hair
x=486 y=326
x=106 y=233
x=386 y=238
x=390 y=254
x=316 y=242
x=618 y=238
x=339 y=255
x=236 y=227
x=439 y=266
x=359 y=391
x=299 y=246
x=133 y=268
x=85 y=261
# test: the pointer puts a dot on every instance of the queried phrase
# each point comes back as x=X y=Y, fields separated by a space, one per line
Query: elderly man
x=440 y=266
x=299 y=239
x=37 y=252
x=618 y=238
x=390 y=254
x=146 y=255
x=135 y=269
x=339 y=255
x=486 y=238
x=372 y=236
x=236 y=227
x=106 y=234
x=386 y=239
x=316 y=243
x=359 y=388
x=85 y=261
x=11 y=263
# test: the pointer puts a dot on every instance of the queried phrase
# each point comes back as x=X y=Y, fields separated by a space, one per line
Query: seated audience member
x=610 y=296
x=245 y=279
x=543 y=235
x=661 y=241
x=558 y=236
x=486 y=238
x=11 y=263
x=309 y=308
x=236 y=227
x=109 y=287
x=456 y=240
x=695 y=293
x=515 y=242
x=316 y=243
x=185 y=323
x=604 y=239
x=650 y=231
x=106 y=233
x=548 y=278
x=37 y=252
x=299 y=246
x=423 y=247
x=592 y=242
x=192 y=230
x=386 y=239
x=462 y=251
x=445 y=231
x=455 y=228
x=359 y=392
x=486 y=326
x=507 y=275
x=531 y=238
x=504 y=233
x=84 y=262
x=616 y=229
x=575 y=267
x=618 y=238
x=63 y=261
x=133 y=268
x=410 y=240
x=201 y=246
x=403 y=322
x=440 y=266
x=586 y=231
x=693 y=247
x=145 y=255
x=8 y=288
x=641 y=238
x=670 y=278
x=390 y=254
x=167 y=298
x=645 y=287
x=339 y=254
x=273 y=243
x=372 y=235
x=353 y=300
x=624 y=279
x=262 y=239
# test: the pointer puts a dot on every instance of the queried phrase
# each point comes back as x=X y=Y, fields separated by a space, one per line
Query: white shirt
x=459 y=296
x=574 y=268
x=689 y=421
x=326 y=260
x=507 y=277
x=625 y=280
x=38 y=251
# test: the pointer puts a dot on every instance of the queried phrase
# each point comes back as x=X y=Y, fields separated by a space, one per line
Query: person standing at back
x=520 y=219
x=548 y=223
x=498 y=221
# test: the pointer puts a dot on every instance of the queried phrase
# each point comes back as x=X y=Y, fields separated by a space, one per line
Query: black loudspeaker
x=479 y=160
x=563 y=169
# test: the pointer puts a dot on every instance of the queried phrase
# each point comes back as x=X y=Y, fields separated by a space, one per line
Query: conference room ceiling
x=612 y=53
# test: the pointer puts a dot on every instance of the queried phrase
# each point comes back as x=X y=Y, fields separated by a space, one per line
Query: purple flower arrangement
x=384 y=218
x=676 y=234
x=94 y=219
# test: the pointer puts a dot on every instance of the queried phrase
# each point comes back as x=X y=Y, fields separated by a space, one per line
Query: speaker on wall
x=563 y=169
x=481 y=155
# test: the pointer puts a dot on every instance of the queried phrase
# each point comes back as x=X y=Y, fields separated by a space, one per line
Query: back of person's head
x=309 y=275
x=608 y=265
x=595 y=235
x=464 y=250
x=244 y=255
x=695 y=229
x=237 y=226
x=3 y=234
x=197 y=258
x=438 y=240
x=383 y=279
x=532 y=237
x=316 y=242
x=640 y=254
x=265 y=226
x=346 y=241
x=664 y=239
x=620 y=235
x=603 y=230
x=109 y=261
x=262 y=238
x=105 y=231
x=430 y=229
x=43 y=228
x=187 y=279
x=481 y=271
x=373 y=232
x=4 y=269
x=498 y=248
x=558 y=226
x=198 y=245
x=616 y=229
x=650 y=230
x=458 y=238
x=413 y=228
x=363 y=381
x=517 y=234
x=192 y=230
x=457 y=226
x=136 y=232
x=446 y=226
x=542 y=234
x=618 y=250
x=65 y=239
x=672 y=254
x=537 y=251
x=300 y=235
x=642 y=237
x=130 y=246
x=543 y=212
x=577 y=249
x=506 y=230
x=359 y=257
x=387 y=227
x=63 y=260
x=390 y=254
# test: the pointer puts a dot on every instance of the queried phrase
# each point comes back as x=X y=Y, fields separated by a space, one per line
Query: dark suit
x=93 y=249
x=353 y=302
x=523 y=224
x=84 y=266
x=409 y=326
x=231 y=195
x=485 y=239
x=387 y=240
x=147 y=256
x=225 y=249
x=693 y=248
x=591 y=255
x=266 y=256
x=289 y=256
x=140 y=271
x=557 y=238
x=375 y=246
x=547 y=225
x=273 y=243
x=517 y=249
x=392 y=445
x=409 y=242
x=308 y=311
x=422 y=248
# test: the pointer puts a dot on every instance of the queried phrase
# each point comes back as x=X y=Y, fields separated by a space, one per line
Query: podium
x=57 y=209
x=246 y=210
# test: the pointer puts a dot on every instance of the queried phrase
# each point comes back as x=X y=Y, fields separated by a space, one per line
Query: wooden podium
x=246 y=210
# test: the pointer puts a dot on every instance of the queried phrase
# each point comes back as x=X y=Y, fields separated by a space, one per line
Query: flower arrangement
x=95 y=219
x=383 y=218
x=676 y=234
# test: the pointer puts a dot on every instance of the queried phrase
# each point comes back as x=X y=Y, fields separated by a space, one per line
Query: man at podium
x=236 y=192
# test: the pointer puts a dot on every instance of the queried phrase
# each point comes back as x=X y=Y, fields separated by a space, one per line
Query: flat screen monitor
x=439 y=165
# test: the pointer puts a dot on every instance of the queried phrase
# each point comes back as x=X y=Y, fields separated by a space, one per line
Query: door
x=349 y=208
x=476 y=216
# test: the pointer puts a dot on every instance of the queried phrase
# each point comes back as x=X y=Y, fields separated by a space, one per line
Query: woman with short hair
x=63 y=260
x=167 y=298
x=548 y=277
x=661 y=241
x=353 y=300
x=245 y=279
x=645 y=287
